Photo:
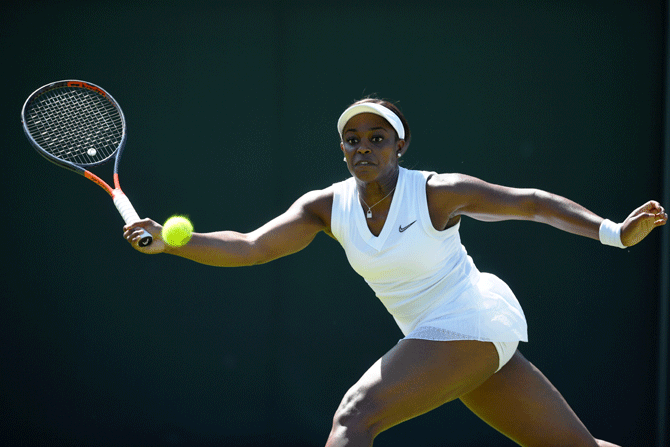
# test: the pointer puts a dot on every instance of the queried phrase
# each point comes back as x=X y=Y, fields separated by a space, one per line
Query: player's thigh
x=414 y=377
x=520 y=402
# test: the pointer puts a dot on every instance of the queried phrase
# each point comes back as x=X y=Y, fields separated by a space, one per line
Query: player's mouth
x=364 y=163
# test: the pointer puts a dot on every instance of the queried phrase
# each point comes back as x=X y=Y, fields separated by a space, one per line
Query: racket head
x=74 y=124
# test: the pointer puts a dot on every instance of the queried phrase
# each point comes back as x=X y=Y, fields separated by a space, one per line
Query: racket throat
x=117 y=185
x=101 y=183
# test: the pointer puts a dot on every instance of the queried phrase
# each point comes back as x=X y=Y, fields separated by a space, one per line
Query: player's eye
x=352 y=140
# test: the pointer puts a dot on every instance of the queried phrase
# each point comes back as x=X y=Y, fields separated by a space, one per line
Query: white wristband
x=610 y=233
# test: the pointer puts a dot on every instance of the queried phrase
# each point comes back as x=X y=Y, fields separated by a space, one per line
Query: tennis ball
x=177 y=231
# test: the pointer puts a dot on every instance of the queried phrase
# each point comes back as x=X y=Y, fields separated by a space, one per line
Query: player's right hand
x=133 y=232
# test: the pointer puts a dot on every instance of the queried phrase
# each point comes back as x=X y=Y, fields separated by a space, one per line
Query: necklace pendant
x=369 y=214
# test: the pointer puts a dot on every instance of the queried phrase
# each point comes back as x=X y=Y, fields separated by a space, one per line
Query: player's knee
x=351 y=422
x=351 y=427
x=358 y=414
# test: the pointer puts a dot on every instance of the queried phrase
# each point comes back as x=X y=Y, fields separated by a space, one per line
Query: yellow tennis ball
x=177 y=231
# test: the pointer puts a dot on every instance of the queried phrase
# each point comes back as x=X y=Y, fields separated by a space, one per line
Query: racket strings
x=75 y=125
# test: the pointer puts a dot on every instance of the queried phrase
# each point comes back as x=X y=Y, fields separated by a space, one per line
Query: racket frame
x=119 y=198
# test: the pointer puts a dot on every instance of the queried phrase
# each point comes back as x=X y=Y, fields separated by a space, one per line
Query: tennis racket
x=78 y=125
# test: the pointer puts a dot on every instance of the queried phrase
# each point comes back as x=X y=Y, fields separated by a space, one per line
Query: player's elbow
x=527 y=204
x=532 y=204
x=541 y=206
x=259 y=251
x=255 y=253
x=232 y=249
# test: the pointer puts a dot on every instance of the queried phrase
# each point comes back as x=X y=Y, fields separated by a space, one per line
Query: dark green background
x=231 y=110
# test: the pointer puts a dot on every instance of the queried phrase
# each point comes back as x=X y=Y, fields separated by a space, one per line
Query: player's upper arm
x=464 y=195
x=294 y=229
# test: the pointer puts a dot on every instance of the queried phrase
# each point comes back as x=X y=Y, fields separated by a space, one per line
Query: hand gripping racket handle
x=130 y=216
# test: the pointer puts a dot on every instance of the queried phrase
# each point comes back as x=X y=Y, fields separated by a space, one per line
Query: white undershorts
x=506 y=350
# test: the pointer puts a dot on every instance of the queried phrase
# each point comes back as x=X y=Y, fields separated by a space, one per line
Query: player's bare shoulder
x=318 y=204
x=444 y=193
x=444 y=187
x=452 y=185
x=447 y=182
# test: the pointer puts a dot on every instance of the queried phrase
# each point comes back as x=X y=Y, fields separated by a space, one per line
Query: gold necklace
x=369 y=213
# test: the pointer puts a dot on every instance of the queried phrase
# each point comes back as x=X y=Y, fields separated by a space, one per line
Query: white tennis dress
x=424 y=277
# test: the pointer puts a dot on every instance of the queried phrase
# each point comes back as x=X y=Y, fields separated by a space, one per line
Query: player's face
x=370 y=146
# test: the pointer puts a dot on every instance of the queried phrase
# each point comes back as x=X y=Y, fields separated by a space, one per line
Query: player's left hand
x=641 y=221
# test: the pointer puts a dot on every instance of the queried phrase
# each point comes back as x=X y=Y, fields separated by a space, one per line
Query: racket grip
x=130 y=216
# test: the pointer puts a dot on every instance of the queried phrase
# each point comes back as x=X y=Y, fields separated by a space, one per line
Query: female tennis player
x=399 y=229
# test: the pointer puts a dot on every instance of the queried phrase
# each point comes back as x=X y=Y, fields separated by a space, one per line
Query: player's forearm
x=565 y=215
x=219 y=249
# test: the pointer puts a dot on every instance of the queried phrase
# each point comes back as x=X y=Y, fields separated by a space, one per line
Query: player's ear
x=400 y=148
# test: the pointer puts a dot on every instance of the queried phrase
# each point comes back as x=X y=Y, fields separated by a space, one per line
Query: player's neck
x=380 y=189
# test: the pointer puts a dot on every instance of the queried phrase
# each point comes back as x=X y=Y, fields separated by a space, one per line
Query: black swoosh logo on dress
x=401 y=228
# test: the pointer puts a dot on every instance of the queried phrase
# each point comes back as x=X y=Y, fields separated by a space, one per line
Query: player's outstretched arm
x=286 y=234
x=464 y=195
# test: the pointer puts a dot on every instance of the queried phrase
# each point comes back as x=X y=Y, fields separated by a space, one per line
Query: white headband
x=371 y=107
